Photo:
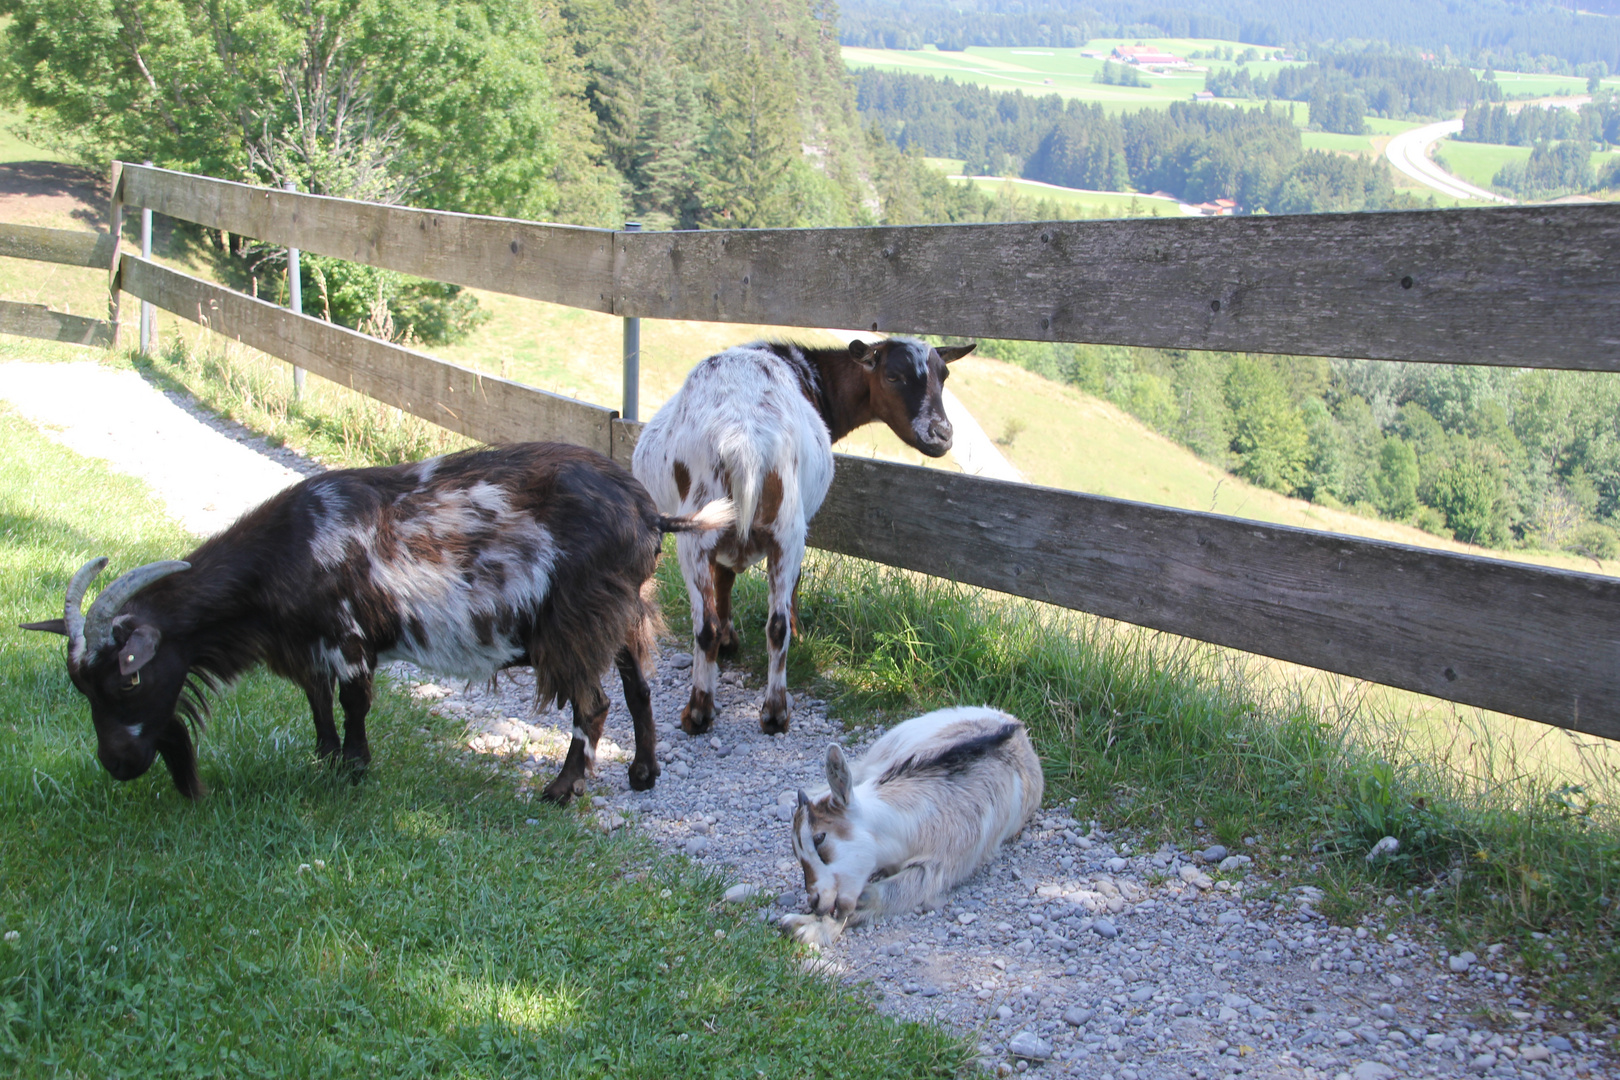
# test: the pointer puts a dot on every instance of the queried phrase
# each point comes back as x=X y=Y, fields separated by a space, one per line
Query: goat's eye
x=893 y=378
x=818 y=839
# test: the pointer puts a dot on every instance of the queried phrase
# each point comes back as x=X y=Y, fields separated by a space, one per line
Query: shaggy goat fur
x=919 y=813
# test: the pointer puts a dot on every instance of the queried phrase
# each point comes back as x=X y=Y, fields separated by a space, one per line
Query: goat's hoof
x=643 y=775
x=329 y=751
x=730 y=641
x=698 y=715
x=775 y=718
x=561 y=790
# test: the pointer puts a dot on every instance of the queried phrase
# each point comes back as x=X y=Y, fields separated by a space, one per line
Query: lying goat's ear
x=49 y=626
x=948 y=353
x=142 y=645
x=838 y=777
x=863 y=354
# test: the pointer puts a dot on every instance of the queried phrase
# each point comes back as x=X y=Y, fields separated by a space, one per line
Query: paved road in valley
x=1409 y=152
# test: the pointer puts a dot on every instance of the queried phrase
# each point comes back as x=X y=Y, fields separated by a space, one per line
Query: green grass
x=1066 y=72
x=14 y=148
x=1097 y=204
x=1478 y=163
x=294 y=924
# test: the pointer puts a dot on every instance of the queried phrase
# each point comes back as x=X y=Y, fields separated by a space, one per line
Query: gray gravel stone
x=1029 y=1046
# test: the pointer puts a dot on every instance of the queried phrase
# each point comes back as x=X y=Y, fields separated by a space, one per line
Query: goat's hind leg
x=638 y=697
x=698 y=569
x=782 y=571
x=318 y=689
x=355 y=697
x=590 y=713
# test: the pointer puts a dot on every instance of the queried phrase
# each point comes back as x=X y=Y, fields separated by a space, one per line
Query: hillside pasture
x=1478 y=163
x=1065 y=72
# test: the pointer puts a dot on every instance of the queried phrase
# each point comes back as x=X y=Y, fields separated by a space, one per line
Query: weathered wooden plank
x=1518 y=286
x=1537 y=643
x=482 y=407
x=563 y=264
x=39 y=321
x=70 y=247
x=626 y=433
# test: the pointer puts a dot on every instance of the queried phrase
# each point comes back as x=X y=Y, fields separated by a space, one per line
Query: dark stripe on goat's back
x=954 y=758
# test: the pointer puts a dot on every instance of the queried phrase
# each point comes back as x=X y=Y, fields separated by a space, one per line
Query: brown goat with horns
x=534 y=554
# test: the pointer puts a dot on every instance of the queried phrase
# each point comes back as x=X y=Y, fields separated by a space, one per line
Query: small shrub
x=1594 y=540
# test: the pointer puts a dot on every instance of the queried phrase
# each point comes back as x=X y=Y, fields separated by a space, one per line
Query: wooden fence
x=1519 y=286
x=68 y=247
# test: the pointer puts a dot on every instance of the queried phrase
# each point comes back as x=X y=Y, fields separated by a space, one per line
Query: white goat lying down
x=924 y=808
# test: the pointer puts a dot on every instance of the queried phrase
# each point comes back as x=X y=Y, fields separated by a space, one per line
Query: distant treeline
x=1492 y=456
x=1509 y=35
x=1195 y=152
x=1343 y=87
x=1595 y=122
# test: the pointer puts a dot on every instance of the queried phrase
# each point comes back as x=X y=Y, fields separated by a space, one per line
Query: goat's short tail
x=720 y=514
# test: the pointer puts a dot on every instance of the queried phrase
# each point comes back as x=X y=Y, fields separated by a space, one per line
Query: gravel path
x=1075 y=954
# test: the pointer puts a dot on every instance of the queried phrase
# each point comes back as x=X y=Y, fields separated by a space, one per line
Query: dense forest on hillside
x=1514 y=36
x=1492 y=456
x=1195 y=152
x=1343 y=87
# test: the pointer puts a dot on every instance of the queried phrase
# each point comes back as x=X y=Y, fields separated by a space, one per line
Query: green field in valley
x=1477 y=163
x=1099 y=204
x=1066 y=72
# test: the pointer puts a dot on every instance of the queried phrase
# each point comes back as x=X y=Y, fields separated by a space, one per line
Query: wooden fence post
x=148 y=312
x=295 y=297
x=115 y=222
x=632 y=355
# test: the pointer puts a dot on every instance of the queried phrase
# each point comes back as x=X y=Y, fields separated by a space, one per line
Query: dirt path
x=1077 y=953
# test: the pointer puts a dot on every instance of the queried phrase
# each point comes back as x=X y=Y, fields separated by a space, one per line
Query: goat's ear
x=948 y=353
x=49 y=626
x=863 y=354
x=838 y=778
x=138 y=651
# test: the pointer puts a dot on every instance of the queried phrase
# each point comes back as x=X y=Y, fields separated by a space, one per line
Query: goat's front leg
x=318 y=689
x=638 y=697
x=697 y=568
x=355 y=697
x=590 y=713
x=782 y=571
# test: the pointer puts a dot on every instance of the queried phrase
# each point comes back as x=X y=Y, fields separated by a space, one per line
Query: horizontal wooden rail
x=1535 y=286
x=479 y=406
x=39 y=321
x=563 y=264
x=69 y=247
x=1531 y=642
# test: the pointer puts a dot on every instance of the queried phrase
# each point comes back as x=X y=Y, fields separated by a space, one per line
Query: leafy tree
x=376 y=98
x=1397 y=480
x=1469 y=493
x=1269 y=438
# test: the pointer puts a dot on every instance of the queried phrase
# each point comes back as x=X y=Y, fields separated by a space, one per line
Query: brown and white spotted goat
x=925 y=807
x=756 y=422
x=536 y=554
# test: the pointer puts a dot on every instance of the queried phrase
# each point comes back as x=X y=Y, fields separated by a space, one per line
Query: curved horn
x=73 y=612
x=98 y=623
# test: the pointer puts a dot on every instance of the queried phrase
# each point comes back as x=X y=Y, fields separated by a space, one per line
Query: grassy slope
x=444 y=933
x=1478 y=163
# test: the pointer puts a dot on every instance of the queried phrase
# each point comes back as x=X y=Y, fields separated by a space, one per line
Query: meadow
x=1478 y=163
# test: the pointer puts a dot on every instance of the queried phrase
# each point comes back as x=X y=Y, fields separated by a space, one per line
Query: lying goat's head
x=906 y=379
x=834 y=849
x=116 y=659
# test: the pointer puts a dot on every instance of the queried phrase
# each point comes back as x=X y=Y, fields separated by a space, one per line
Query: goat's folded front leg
x=817 y=930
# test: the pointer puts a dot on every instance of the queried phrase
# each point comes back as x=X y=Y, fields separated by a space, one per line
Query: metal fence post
x=148 y=312
x=295 y=297
x=632 y=355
